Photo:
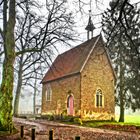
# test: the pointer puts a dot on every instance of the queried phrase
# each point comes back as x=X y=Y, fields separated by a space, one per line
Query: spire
x=90 y=27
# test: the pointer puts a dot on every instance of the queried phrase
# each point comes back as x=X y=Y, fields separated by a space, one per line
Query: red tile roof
x=70 y=62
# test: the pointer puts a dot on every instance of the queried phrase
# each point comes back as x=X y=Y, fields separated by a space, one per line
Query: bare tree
x=56 y=27
x=37 y=37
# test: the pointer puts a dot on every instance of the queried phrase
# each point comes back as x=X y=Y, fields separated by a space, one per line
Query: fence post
x=22 y=131
x=33 y=134
x=11 y=128
x=51 y=134
x=77 y=138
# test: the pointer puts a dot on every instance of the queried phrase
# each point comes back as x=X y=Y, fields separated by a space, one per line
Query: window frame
x=99 y=99
x=48 y=92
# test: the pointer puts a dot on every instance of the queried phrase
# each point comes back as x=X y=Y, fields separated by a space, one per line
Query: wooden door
x=70 y=105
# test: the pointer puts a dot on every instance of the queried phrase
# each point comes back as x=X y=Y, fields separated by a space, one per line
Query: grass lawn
x=132 y=123
x=131 y=119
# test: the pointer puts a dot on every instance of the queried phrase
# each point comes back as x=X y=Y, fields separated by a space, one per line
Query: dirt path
x=68 y=132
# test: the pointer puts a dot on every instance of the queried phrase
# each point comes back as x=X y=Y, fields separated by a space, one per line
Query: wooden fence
x=51 y=134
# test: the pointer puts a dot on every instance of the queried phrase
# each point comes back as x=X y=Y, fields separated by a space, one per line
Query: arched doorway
x=70 y=105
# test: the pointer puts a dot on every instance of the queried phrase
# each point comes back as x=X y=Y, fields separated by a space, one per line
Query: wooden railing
x=51 y=134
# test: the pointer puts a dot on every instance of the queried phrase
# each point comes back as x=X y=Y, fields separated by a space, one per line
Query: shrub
x=50 y=117
x=64 y=112
x=67 y=118
x=45 y=117
x=78 y=121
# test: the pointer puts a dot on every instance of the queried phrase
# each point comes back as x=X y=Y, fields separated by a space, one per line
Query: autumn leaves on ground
x=91 y=130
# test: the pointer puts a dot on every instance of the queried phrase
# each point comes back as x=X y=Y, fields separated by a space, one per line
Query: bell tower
x=90 y=27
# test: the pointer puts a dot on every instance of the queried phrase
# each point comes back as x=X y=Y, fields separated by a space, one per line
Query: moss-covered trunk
x=6 y=88
x=6 y=94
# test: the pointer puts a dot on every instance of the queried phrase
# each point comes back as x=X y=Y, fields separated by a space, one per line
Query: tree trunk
x=17 y=97
x=121 y=92
x=6 y=88
x=121 y=119
x=6 y=94
x=122 y=96
x=34 y=96
x=19 y=85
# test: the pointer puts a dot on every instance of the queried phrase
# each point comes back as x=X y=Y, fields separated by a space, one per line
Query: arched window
x=99 y=98
x=48 y=92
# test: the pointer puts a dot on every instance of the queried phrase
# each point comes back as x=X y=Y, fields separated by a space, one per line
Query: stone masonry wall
x=61 y=89
x=97 y=74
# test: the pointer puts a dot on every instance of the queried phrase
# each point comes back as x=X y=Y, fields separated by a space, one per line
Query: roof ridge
x=90 y=52
x=79 y=45
x=70 y=61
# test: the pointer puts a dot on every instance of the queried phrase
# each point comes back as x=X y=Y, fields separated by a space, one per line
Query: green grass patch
x=132 y=124
x=97 y=123
x=131 y=119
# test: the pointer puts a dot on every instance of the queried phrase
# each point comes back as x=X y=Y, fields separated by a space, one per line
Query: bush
x=78 y=121
x=45 y=117
x=51 y=118
x=64 y=112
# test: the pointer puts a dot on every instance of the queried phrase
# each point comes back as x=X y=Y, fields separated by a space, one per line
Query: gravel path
x=68 y=132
